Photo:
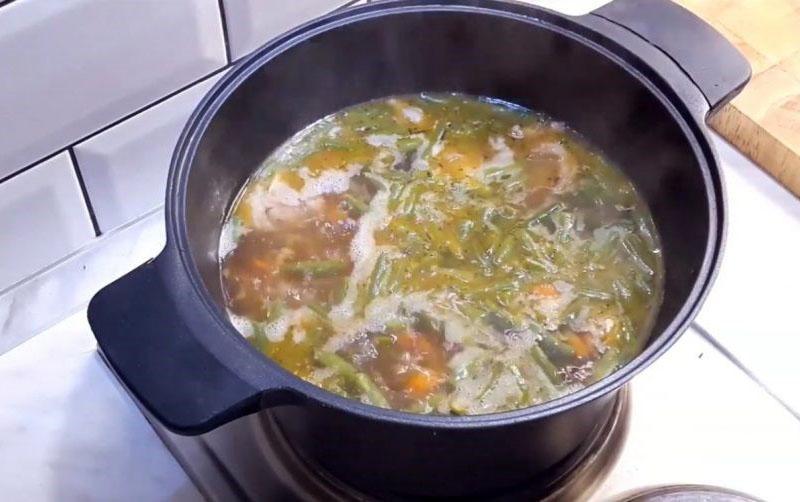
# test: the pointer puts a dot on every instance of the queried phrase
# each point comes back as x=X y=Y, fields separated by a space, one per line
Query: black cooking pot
x=637 y=78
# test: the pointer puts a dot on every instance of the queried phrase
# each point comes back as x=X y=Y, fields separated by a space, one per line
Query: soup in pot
x=441 y=253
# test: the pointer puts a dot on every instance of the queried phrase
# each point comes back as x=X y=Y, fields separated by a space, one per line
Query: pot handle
x=160 y=355
x=710 y=61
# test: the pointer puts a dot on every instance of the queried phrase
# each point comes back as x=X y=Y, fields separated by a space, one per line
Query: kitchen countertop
x=720 y=407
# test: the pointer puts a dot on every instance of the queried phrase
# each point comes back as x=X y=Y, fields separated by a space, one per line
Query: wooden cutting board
x=764 y=120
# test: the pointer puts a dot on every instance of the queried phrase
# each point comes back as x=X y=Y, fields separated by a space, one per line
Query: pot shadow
x=108 y=451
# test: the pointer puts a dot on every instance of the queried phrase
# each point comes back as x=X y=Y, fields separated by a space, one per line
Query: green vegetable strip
x=379 y=277
x=554 y=344
x=350 y=373
x=356 y=204
x=497 y=371
x=371 y=390
x=506 y=249
x=525 y=399
x=594 y=293
x=606 y=364
x=541 y=217
x=636 y=257
x=406 y=145
x=320 y=268
x=259 y=339
x=438 y=134
x=547 y=366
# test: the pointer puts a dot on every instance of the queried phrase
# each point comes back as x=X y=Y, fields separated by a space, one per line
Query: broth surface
x=440 y=253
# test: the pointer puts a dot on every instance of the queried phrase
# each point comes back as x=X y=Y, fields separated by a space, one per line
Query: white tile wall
x=125 y=167
x=251 y=23
x=42 y=218
x=71 y=66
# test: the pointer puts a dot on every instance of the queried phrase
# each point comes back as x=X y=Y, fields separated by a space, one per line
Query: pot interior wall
x=489 y=55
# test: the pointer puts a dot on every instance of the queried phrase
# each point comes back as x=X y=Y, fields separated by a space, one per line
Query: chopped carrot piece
x=421 y=384
x=545 y=290
x=325 y=159
x=332 y=210
x=579 y=344
x=292 y=179
x=458 y=159
x=261 y=264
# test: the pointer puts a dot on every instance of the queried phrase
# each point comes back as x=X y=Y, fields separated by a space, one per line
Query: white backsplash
x=72 y=66
x=108 y=85
x=251 y=22
x=42 y=218
x=125 y=167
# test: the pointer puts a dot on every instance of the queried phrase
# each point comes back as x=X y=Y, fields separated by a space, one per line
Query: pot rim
x=538 y=18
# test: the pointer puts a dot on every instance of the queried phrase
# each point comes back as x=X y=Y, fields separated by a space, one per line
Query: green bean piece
x=564 y=224
x=497 y=371
x=545 y=265
x=408 y=203
x=319 y=310
x=379 y=181
x=357 y=205
x=522 y=383
x=405 y=197
x=438 y=134
x=259 y=339
x=371 y=390
x=621 y=290
x=528 y=242
x=428 y=324
x=635 y=256
x=274 y=311
x=487 y=217
x=335 y=362
x=472 y=313
x=464 y=276
x=238 y=229
x=498 y=321
x=379 y=276
x=541 y=217
x=408 y=144
x=506 y=249
x=315 y=268
x=606 y=365
x=351 y=373
x=321 y=314
x=545 y=364
x=382 y=341
x=458 y=407
x=557 y=348
x=595 y=293
x=465 y=229
x=502 y=173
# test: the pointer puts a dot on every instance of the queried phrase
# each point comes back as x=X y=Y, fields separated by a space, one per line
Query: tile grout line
x=225 y=37
x=72 y=144
x=84 y=192
x=736 y=362
x=114 y=123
